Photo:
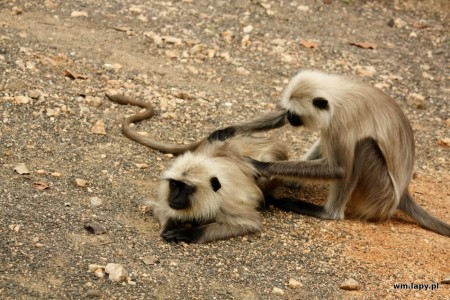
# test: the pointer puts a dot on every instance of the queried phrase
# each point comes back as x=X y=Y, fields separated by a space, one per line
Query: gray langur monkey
x=365 y=149
x=212 y=192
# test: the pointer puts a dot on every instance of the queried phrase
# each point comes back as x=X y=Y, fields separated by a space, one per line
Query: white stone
x=293 y=284
x=95 y=267
x=22 y=99
x=248 y=29
x=76 y=14
x=96 y=201
x=116 y=272
x=277 y=291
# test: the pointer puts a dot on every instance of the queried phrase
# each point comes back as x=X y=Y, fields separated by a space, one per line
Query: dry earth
x=204 y=64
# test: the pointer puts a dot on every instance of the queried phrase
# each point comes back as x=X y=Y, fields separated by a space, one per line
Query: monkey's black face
x=180 y=193
x=294 y=119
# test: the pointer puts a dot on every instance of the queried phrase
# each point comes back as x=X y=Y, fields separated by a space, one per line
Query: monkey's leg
x=266 y=122
x=339 y=193
x=297 y=206
x=333 y=210
x=369 y=190
x=213 y=231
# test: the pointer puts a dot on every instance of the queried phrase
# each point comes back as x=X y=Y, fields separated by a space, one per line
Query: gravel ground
x=204 y=65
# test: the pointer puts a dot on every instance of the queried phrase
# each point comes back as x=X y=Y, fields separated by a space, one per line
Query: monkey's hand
x=188 y=235
x=261 y=166
x=222 y=134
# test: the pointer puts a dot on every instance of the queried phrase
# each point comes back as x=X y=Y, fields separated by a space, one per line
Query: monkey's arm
x=149 y=112
x=214 y=231
x=266 y=122
x=311 y=169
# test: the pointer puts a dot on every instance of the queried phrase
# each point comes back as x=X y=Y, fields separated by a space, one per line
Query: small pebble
x=350 y=285
x=248 y=29
x=80 y=182
x=22 y=169
x=277 y=291
x=293 y=284
x=93 y=293
x=116 y=272
x=34 y=94
x=77 y=14
x=100 y=273
x=22 y=99
x=99 y=128
x=96 y=201
x=93 y=101
x=416 y=100
x=142 y=166
x=95 y=267
x=150 y=260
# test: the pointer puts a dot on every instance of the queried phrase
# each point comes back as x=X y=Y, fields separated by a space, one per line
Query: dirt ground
x=204 y=65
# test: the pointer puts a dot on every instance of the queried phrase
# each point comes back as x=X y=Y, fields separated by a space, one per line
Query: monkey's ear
x=320 y=103
x=215 y=184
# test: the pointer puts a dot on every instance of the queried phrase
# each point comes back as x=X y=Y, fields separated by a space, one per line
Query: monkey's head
x=190 y=188
x=310 y=99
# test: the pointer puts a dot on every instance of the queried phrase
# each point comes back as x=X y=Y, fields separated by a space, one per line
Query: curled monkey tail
x=148 y=113
x=409 y=206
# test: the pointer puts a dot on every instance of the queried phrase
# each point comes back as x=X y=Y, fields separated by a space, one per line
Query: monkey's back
x=371 y=113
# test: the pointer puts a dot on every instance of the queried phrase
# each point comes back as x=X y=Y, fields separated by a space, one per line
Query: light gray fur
x=365 y=150
x=230 y=211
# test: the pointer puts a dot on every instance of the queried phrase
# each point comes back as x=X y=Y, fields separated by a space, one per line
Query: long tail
x=409 y=206
x=149 y=111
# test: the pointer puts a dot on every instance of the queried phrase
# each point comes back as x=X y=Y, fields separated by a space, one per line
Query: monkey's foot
x=297 y=206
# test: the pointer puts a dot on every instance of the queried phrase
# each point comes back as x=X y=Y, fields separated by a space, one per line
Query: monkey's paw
x=187 y=235
x=222 y=134
x=260 y=166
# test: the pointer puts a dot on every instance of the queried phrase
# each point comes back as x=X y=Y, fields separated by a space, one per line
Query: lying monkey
x=211 y=191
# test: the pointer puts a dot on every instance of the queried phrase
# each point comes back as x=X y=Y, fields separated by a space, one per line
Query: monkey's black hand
x=261 y=166
x=222 y=134
x=188 y=235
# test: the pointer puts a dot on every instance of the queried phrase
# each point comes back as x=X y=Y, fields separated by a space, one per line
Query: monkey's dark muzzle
x=294 y=119
x=178 y=205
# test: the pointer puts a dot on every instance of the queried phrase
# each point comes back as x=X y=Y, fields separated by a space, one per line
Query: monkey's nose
x=294 y=119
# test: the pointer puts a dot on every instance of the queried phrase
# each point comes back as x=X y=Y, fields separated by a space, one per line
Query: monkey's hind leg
x=333 y=209
x=297 y=206
x=374 y=196
x=366 y=165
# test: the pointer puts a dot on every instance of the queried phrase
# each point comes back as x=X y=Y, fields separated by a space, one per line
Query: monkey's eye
x=174 y=184
x=320 y=103
x=215 y=184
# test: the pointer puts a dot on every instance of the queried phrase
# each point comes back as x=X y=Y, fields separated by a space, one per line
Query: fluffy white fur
x=231 y=210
